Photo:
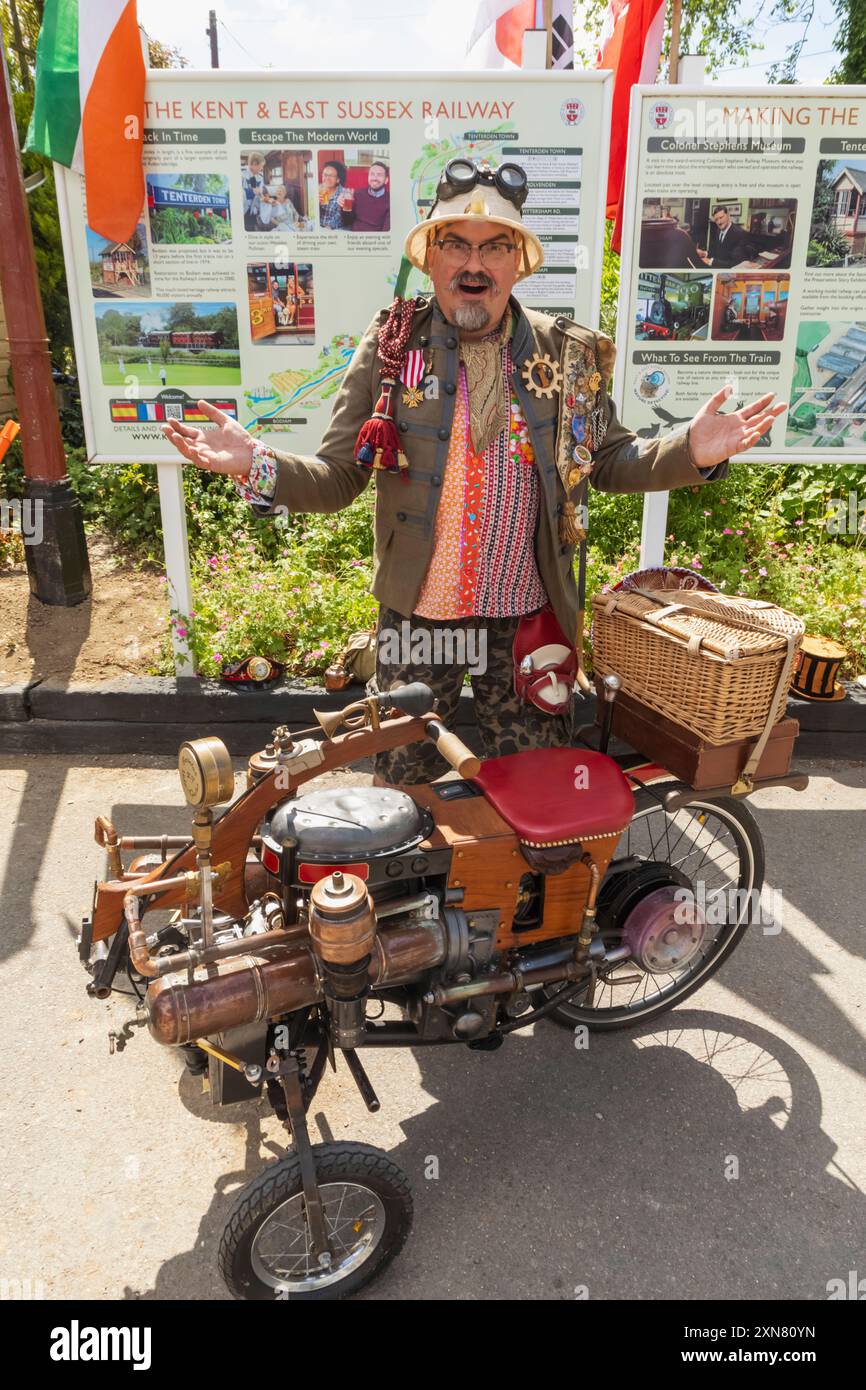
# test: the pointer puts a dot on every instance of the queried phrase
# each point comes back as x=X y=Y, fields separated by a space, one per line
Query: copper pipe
x=250 y=989
x=588 y=923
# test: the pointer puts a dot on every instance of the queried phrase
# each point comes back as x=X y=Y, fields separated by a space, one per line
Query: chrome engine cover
x=336 y=823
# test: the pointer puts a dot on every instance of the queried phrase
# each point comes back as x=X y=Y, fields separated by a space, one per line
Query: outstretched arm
x=326 y=483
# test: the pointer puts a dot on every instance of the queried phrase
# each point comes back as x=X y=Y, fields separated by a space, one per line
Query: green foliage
x=609 y=285
x=851 y=41
x=291 y=609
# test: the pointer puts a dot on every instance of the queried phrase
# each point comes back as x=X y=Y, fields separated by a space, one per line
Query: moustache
x=472 y=277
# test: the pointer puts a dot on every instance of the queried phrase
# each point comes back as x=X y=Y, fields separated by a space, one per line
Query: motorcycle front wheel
x=717 y=846
x=265 y=1249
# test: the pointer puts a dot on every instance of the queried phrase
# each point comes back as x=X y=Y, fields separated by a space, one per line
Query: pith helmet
x=482 y=203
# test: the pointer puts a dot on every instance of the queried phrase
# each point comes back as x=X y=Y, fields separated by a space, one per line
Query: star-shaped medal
x=412 y=397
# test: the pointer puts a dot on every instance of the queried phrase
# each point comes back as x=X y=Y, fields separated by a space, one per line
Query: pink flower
x=217 y=656
x=739 y=533
x=799 y=522
x=747 y=525
x=181 y=631
x=762 y=571
x=744 y=571
x=727 y=531
x=706 y=513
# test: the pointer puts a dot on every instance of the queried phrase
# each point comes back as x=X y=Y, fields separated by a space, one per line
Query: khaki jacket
x=405 y=512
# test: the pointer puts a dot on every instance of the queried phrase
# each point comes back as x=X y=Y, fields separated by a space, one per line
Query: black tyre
x=717 y=846
x=264 y=1252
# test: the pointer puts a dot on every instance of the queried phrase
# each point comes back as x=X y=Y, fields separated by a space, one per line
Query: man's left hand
x=714 y=437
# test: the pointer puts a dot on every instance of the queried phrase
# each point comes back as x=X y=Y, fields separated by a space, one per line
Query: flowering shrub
x=290 y=609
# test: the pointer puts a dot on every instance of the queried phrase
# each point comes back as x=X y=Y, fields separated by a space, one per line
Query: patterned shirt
x=483 y=562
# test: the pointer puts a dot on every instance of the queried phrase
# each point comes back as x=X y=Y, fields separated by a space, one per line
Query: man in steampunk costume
x=484 y=423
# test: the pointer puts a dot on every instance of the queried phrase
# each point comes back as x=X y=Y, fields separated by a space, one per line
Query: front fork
x=298 y=1090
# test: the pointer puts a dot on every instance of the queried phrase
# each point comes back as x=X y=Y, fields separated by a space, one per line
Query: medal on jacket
x=412 y=374
x=541 y=375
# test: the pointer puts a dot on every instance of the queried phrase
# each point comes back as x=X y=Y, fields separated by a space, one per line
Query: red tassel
x=378 y=444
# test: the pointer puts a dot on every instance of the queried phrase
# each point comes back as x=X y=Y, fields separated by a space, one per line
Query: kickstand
x=287 y=1070
x=361 y=1080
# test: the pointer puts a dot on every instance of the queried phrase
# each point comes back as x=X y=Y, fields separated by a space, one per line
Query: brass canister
x=342 y=919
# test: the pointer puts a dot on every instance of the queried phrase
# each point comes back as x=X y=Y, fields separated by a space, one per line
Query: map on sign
x=294 y=387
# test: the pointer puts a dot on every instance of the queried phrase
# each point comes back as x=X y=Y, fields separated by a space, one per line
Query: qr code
x=174 y=412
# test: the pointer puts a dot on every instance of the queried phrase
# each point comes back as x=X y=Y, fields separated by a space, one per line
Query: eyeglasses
x=456 y=252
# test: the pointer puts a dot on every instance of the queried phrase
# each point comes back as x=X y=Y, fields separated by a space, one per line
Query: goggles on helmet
x=461 y=174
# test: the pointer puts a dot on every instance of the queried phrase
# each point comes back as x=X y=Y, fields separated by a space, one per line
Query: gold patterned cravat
x=489 y=406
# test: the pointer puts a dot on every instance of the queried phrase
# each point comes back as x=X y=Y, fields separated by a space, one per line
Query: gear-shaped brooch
x=541 y=375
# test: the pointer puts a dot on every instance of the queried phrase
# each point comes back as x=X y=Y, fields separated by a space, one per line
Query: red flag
x=631 y=44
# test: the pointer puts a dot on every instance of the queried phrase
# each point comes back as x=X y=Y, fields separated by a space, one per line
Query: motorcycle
x=562 y=884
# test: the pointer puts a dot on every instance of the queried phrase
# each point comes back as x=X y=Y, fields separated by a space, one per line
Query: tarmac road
x=562 y=1173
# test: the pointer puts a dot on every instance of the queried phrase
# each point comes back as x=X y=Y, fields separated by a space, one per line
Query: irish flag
x=89 y=108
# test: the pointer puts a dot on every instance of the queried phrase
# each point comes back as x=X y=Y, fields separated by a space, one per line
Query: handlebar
x=453 y=749
x=418 y=700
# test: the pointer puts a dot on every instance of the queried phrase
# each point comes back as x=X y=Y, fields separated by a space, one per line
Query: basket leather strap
x=745 y=781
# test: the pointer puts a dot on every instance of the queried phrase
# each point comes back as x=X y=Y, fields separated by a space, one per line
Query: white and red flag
x=500 y=25
x=630 y=44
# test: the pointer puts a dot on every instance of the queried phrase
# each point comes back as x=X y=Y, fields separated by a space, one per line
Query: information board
x=276 y=210
x=744 y=261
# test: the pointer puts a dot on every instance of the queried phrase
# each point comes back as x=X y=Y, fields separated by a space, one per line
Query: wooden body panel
x=486 y=859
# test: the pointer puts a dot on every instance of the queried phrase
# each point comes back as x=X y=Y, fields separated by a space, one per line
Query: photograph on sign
x=275 y=212
x=764 y=191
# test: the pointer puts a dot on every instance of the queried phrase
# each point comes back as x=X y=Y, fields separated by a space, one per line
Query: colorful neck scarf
x=489 y=410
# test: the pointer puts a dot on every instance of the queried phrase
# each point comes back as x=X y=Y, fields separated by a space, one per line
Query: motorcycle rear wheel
x=265 y=1249
x=662 y=837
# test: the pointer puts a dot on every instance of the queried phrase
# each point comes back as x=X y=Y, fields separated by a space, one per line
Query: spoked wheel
x=714 y=849
x=265 y=1250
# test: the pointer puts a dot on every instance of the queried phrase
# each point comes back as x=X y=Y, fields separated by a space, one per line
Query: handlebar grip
x=453 y=749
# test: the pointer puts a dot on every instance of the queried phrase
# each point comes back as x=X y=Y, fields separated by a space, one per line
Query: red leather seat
x=552 y=796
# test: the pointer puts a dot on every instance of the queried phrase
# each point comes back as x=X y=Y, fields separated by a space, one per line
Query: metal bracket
x=288 y=1072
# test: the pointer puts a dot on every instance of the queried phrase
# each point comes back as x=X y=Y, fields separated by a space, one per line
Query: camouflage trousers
x=440 y=654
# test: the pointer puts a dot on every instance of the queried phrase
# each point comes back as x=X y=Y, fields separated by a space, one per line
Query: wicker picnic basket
x=718 y=664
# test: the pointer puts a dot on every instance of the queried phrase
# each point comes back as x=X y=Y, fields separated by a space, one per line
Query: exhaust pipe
x=251 y=988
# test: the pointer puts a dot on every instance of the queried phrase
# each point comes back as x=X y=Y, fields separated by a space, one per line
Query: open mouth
x=473 y=288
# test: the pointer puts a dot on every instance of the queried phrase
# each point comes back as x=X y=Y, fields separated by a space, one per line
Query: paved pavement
x=560 y=1172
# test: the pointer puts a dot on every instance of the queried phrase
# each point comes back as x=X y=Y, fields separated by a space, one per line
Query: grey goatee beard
x=471 y=317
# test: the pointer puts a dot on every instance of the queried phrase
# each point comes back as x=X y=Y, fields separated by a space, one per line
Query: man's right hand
x=226 y=449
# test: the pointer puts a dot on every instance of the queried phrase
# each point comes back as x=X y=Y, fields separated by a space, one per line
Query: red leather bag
x=545 y=662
